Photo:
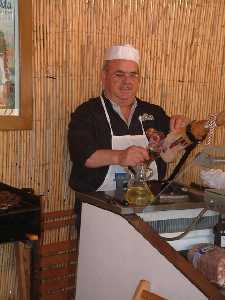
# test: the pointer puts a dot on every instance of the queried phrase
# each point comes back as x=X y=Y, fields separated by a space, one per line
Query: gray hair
x=105 y=65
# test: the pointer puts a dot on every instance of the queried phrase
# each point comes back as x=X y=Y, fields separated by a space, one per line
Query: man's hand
x=133 y=156
x=178 y=122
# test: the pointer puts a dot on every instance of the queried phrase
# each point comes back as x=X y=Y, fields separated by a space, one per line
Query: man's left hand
x=178 y=122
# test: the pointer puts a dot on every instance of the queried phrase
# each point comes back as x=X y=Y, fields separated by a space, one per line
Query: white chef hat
x=127 y=52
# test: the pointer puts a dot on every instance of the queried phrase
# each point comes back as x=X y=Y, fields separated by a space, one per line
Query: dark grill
x=19 y=213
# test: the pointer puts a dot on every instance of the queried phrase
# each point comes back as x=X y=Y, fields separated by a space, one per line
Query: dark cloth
x=89 y=131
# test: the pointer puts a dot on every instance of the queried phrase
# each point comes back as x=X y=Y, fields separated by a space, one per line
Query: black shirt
x=89 y=131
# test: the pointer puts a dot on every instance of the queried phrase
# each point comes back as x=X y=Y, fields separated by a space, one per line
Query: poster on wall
x=9 y=58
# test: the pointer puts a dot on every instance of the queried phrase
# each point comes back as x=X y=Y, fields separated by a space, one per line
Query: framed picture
x=15 y=64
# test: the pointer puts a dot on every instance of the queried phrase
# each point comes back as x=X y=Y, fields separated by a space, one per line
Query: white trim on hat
x=126 y=52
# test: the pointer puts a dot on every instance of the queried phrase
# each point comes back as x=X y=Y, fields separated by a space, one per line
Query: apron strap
x=108 y=119
x=106 y=114
x=140 y=119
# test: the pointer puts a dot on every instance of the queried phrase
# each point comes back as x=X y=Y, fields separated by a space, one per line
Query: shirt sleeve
x=82 y=139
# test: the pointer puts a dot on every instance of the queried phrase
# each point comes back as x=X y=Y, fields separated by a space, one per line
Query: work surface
x=114 y=201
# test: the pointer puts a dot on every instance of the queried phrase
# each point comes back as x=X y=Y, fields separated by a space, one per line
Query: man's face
x=121 y=81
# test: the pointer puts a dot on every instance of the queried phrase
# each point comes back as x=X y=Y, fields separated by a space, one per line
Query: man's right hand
x=132 y=156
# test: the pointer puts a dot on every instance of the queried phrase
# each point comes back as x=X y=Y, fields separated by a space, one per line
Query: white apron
x=120 y=143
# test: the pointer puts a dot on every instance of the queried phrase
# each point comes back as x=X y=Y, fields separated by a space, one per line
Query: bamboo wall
x=182 y=67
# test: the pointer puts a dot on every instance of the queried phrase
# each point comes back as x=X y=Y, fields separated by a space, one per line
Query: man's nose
x=127 y=78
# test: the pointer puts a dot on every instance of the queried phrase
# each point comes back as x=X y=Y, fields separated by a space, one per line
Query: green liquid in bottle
x=139 y=195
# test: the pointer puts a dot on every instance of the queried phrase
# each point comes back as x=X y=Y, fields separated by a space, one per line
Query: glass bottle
x=138 y=192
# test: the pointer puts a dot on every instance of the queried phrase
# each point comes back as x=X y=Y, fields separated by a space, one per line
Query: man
x=107 y=133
